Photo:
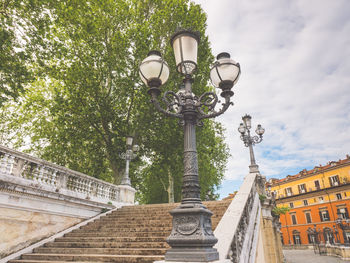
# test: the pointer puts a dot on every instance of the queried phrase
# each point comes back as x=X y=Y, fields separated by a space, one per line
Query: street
x=303 y=256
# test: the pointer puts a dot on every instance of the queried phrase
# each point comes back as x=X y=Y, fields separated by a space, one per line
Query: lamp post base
x=192 y=238
x=253 y=168
x=126 y=181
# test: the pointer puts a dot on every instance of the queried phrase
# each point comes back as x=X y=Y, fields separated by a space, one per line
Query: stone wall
x=270 y=234
x=20 y=228
x=39 y=199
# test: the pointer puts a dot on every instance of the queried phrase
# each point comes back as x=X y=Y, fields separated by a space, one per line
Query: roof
x=316 y=169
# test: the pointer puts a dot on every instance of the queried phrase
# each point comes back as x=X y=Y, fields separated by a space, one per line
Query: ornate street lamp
x=191 y=238
x=249 y=141
x=129 y=155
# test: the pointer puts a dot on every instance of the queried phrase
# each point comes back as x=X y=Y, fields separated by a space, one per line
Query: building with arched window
x=319 y=203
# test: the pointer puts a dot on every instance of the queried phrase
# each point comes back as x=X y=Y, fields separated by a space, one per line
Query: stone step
x=109 y=239
x=103 y=244
x=144 y=221
x=133 y=234
x=87 y=258
x=117 y=234
x=131 y=228
x=103 y=251
x=134 y=217
x=47 y=261
x=139 y=211
x=131 y=222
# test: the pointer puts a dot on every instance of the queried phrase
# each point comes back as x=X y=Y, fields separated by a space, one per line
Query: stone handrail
x=20 y=169
x=238 y=230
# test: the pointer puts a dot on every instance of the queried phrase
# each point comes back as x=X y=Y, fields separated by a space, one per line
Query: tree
x=88 y=95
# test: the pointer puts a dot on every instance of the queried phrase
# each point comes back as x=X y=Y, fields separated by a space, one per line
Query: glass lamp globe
x=135 y=148
x=241 y=128
x=247 y=121
x=259 y=130
x=225 y=71
x=129 y=140
x=154 y=71
x=185 y=46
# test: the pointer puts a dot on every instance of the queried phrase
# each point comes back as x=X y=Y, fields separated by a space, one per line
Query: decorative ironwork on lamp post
x=249 y=141
x=129 y=155
x=191 y=238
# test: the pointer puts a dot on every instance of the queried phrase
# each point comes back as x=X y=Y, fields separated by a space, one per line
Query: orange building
x=319 y=202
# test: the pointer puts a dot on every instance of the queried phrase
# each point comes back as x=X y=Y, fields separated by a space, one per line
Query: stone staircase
x=130 y=234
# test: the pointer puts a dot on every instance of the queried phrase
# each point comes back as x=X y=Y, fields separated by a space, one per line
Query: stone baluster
x=3 y=163
x=37 y=173
x=45 y=175
x=53 y=177
x=7 y=163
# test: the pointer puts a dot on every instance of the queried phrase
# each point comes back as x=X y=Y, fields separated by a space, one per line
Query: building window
x=294 y=219
x=308 y=217
x=320 y=199
x=334 y=180
x=296 y=237
x=305 y=202
x=328 y=235
x=343 y=213
x=291 y=205
x=302 y=188
x=324 y=216
x=317 y=185
x=338 y=196
x=288 y=191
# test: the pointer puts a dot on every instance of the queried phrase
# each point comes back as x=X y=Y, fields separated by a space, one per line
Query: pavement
x=308 y=256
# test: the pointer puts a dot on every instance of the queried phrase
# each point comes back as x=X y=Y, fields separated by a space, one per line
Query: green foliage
x=282 y=210
x=262 y=197
x=87 y=95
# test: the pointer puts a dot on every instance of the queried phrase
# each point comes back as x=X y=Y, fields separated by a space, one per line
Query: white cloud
x=295 y=79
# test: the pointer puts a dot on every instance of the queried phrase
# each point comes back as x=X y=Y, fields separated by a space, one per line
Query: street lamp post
x=129 y=155
x=191 y=238
x=249 y=141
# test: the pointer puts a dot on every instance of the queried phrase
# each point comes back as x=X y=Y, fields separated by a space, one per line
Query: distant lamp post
x=129 y=155
x=191 y=238
x=249 y=141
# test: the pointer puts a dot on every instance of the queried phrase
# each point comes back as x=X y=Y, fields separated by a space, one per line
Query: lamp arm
x=209 y=100
x=123 y=156
x=256 y=139
x=170 y=104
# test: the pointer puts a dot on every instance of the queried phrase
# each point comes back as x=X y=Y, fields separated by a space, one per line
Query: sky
x=295 y=82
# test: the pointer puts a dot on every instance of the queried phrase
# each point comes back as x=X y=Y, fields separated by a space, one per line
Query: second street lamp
x=249 y=141
x=191 y=238
x=130 y=154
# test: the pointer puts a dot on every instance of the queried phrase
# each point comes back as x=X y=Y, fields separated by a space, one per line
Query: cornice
x=337 y=166
x=328 y=190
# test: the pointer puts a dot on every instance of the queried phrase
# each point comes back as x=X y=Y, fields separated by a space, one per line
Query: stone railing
x=24 y=173
x=238 y=230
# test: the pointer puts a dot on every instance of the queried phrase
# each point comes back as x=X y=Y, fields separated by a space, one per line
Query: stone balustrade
x=39 y=199
x=238 y=230
x=23 y=173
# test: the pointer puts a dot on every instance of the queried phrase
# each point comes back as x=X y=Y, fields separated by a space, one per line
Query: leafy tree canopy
x=87 y=96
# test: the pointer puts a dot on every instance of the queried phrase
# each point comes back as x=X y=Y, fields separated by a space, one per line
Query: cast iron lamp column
x=249 y=141
x=191 y=238
x=129 y=155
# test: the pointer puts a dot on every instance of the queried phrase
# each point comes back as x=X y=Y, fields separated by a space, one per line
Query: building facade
x=319 y=203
